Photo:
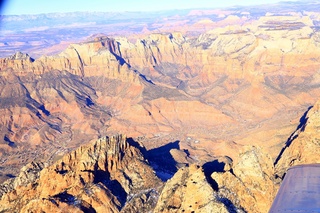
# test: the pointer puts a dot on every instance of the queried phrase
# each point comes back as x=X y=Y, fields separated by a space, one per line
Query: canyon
x=196 y=116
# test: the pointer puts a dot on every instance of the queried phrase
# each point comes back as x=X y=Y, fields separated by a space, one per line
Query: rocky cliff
x=112 y=174
x=109 y=174
x=98 y=57
x=303 y=144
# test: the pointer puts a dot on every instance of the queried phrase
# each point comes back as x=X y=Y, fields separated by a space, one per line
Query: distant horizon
x=32 y=7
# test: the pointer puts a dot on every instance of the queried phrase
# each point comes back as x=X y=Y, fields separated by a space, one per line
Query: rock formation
x=303 y=145
x=248 y=184
x=230 y=83
x=252 y=180
x=28 y=174
x=110 y=174
x=189 y=191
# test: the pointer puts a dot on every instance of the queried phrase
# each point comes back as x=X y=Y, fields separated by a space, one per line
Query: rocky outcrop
x=110 y=174
x=189 y=191
x=99 y=57
x=249 y=184
x=18 y=61
x=252 y=180
x=303 y=145
x=20 y=56
x=28 y=175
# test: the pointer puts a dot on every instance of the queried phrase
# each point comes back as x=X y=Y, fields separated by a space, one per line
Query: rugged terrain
x=109 y=175
x=117 y=174
x=222 y=111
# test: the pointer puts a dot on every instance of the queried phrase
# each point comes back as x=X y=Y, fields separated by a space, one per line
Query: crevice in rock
x=301 y=127
x=209 y=168
x=229 y=205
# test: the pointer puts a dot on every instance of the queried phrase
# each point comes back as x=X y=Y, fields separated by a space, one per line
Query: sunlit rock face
x=109 y=174
x=303 y=145
x=188 y=190
x=248 y=184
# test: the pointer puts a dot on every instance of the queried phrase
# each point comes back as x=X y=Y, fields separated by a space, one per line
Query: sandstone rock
x=303 y=145
x=100 y=57
x=180 y=156
x=249 y=185
x=20 y=56
x=106 y=175
x=28 y=174
x=189 y=191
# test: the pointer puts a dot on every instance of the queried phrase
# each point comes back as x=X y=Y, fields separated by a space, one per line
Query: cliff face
x=304 y=144
x=95 y=58
x=110 y=174
x=257 y=51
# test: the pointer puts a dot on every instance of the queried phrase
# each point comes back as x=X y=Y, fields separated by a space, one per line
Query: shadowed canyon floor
x=223 y=111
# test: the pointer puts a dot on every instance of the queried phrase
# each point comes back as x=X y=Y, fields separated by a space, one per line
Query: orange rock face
x=107 y=175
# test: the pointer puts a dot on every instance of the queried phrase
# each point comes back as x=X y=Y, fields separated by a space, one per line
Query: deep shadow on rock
x=209 y=168
x=294 y=135
x=162 y=161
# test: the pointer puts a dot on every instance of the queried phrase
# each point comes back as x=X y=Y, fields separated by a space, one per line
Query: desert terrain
x=140 y=112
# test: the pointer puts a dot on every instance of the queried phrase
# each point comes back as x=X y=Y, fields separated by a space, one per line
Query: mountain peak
x=20 y=56
x=110 y=173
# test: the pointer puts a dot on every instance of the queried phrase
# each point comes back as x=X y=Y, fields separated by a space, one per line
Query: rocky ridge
x=303 y=145
x=109 y=174
x=249 y=184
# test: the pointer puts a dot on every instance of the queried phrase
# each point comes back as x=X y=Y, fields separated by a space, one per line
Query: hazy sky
x=18 y=7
